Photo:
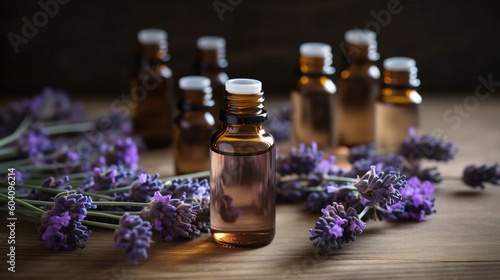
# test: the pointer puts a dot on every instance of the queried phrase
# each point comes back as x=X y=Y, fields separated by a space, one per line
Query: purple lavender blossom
x=121 y=151
x=191 y=188
x=415 y=148
x=364 y=151
x=301 y=160
x=173 y=217
x=334 y=193
x=52 y=105
x=380 y=188
x=34 y=143
x=279 y=122
x=61 y=225
x=475 y=176
x=417 y=202
x=287 y=192
x=109 y=177
x=385 y=163
x=134 y=237
x=427 y=174
x=52 y=183
x=145 y=187
x=336 y=227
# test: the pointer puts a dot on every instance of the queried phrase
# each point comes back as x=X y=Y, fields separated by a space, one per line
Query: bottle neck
x=401 y=79
x=212 y=60
x=359 y=54
x=316 y=66
x=243 y=109
x=196 y=100
x=155 y=53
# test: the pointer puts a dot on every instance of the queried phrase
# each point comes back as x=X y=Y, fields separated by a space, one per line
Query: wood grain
x=461 y=241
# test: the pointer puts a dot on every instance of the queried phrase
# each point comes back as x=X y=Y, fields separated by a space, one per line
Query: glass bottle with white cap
x=211 y=63
x=358 y=89
x=193 y=125
x=397 y=108
x=242 y=170
x=313 y=99
x=152 y=90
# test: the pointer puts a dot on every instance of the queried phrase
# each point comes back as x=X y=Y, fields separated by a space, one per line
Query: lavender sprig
x=134 y=237
x=475 y=176
x=415 y=148
x=381 y=188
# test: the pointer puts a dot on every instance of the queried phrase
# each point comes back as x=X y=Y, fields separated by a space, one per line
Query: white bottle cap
x=362 y=37
x=316 y=50
x=399 y=64
x=194 y=82
x=151 y=36
x=210 y=43
x=243 y=86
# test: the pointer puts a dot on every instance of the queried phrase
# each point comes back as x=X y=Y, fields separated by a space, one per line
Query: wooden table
x=461 y=241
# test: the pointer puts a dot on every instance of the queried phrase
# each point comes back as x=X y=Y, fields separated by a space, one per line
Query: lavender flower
x=417 y=201
x=144 y=187
x=173 y=217
x=336 y=227
x=380 y=188
x=109 y=177
x=51 y=105
x=386 y=163
x=279 y=122
x=52 y=183
x=427 y=174
x=475 y=176
x=122 y=151
x=364 y=151
x=415 y=148
x=61 y=225
x=334 y=193
x=300 y=161
x=191 y=188
x=134 y=237
x=34 y=143
x=288 y=192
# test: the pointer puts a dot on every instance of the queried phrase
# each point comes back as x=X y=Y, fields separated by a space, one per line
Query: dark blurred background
x=88 y=47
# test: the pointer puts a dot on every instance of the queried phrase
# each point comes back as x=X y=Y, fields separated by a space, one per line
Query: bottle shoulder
x=398 y=96
x=241 y=140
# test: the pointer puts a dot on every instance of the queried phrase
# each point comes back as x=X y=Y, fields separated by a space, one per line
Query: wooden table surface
x=461 y=241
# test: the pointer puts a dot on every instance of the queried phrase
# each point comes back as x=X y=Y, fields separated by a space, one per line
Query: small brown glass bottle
x=358 y=89
x=243 y=170
x=211 y=63
x=193 y=125
x=313 y=100
x=397 y=108
x=152 y=90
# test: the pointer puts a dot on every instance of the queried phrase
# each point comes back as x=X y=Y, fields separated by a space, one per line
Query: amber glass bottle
x=358 y=89
x=242 y=170
x=397 y=108
x=193 y=125
x=313 y=100
x=212 y=63
x=152 y=90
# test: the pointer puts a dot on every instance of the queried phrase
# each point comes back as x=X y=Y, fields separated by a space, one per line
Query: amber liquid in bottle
x=193 y=129
x=212 y=63
x=397 y=108
x=358 y=89
x=242 y=175
x=313 y=104
x=152 y=94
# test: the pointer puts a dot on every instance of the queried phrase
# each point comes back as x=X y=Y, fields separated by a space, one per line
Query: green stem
x=13 y=137
x=10 y=151
x=23 y=202
x=367 y=208
x=340 y=179
x=103 y=203
x=99 y=224
x=70 y=127
x=56 y=191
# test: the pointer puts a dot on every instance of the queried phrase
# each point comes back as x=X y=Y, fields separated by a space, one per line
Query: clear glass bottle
x=193 y=125
x=212 y=63
x=358 y=89
x=397 y=108
x=313 y=100
x=242 y=170
x=152 y=90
